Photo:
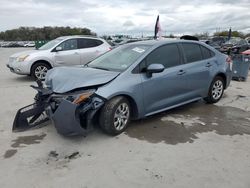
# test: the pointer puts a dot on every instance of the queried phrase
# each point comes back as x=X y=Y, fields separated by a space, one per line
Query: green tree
x=45 y=33
x=234 y=34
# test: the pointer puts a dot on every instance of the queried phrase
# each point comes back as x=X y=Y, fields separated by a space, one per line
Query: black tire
x=107 y=118
x=35 y=67
x=212 y=97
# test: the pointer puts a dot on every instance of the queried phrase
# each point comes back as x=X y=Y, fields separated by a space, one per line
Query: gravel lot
x=197 y=145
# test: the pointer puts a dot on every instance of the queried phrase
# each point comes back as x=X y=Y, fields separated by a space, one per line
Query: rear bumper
x=229 y=77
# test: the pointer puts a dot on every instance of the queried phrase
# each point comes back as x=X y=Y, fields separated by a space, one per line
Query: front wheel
x=216 y=90
x=39 y=70
x=115 y=116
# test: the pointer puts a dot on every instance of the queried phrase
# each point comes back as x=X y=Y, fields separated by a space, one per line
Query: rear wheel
x=39 y=70
x=115 y=116
x=216 y=90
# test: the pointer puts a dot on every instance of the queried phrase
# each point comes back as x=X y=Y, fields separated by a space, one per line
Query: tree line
x=224 y=34
x=49 y=33
x=44 y=33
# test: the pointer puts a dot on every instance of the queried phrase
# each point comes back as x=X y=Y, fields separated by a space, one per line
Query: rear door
x=89 y=49
x=199 y=62
x=167 y=88
x=69 y=55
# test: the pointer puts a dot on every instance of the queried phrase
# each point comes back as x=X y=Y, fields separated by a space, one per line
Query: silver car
x=63 y=51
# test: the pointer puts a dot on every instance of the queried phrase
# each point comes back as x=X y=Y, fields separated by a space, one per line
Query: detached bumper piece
x=29 y=117
x=71 y=119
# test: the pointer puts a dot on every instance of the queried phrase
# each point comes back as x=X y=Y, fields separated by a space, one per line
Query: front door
x=167 y=88
x=69 y=55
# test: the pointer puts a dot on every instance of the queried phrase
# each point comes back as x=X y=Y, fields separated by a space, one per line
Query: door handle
x=181 y=72
x=76 y=53
x=208 y=65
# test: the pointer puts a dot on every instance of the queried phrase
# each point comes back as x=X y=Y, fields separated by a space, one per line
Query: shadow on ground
x=22 y=79
x=182 y=124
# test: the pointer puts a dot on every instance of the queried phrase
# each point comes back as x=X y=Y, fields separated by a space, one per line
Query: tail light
x=229 y=61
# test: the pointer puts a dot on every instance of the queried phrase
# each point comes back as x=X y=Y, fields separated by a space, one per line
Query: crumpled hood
x=64 y=79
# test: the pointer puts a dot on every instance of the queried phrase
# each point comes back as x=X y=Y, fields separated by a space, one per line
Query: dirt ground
x=197 y=145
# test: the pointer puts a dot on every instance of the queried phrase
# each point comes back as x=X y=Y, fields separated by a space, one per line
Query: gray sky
x=128 y=16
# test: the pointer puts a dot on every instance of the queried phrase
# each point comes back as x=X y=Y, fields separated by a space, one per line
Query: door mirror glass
x=59 y=48
x=154 y=68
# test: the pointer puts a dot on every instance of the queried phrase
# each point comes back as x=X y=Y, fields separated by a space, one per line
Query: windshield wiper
x=100 y=68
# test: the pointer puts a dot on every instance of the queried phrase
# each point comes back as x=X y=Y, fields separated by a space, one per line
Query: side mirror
x=58 y=48
x=154 y=68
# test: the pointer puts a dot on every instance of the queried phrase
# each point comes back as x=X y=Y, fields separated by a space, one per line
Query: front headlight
x=82 y=97
x=22 y=58
x=75 y=98
x=79 y=97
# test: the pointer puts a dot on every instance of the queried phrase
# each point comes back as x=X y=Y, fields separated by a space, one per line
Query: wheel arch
x=224 y=77
x=40 y=61
x=133 y=104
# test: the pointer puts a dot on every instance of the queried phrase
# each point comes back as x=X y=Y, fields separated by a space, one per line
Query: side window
x=167 y=55
x=98 y=42
x=81 y=43
x=88 y=43
x=206 y=53
x=70 y=44
x=192 y=52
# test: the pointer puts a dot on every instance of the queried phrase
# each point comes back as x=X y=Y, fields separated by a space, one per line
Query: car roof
x=162 y=42
x=78 y=36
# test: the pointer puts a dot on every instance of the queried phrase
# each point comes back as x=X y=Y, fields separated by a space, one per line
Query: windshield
x=50 y=44
x=119 y=58
x=233 y=41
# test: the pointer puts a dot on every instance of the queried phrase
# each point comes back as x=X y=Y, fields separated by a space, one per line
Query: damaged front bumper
x=73 y=119
x=68 y=117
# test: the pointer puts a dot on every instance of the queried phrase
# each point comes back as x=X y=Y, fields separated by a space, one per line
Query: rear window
x=206 y=53
x=192 y=52
x=88 y=43
x=242 y=42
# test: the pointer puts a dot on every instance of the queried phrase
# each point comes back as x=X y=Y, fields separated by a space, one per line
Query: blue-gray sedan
x=133 y=81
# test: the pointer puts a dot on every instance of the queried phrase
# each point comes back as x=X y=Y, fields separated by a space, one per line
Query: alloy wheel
x=40 y=72
x=121 y=116
x=217 y=89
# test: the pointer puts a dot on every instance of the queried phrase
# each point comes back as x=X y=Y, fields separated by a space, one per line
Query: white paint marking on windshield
x=124 y=66
x=139 y=50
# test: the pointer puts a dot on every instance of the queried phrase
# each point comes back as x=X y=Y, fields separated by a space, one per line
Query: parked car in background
x=215 y=42
x=63 y=51
x=219 y=40
x=132 y=81
x=248 y=40
x=29 y=44
x=11 y=45
x=235 y=46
